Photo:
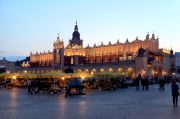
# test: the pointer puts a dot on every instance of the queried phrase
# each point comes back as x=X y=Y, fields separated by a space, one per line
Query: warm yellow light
x=14 y=77
x=25 y=71
x=110 y=70
x=82 y=77
x=62 y=78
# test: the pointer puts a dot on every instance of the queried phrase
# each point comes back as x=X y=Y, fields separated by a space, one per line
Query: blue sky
x=32 y=25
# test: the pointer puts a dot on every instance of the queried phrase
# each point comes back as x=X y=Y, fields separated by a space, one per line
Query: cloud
x=2 y=52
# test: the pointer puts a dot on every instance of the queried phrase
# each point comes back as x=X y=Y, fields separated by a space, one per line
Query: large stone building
x=177 y=62
x=131 y=58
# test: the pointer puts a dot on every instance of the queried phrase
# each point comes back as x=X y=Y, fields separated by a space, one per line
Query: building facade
x=131 y=58
x=177 y=62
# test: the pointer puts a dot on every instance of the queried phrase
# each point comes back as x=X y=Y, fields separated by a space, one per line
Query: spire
x=58 y=36
x=153 y=36
x=76 y=27
x=147 y=36
x=127 y=41
x=137 y=38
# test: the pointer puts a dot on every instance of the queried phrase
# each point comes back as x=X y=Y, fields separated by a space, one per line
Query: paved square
x=120 y=104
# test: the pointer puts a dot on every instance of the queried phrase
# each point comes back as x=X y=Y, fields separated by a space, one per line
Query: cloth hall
x=140 y=56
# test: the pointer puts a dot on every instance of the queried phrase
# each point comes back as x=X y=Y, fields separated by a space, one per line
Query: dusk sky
x=32 y=25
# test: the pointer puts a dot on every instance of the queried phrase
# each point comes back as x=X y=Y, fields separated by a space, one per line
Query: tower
x=76 y=40
x=58 y=53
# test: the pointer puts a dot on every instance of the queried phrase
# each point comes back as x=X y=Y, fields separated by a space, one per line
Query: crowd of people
x=174 y=86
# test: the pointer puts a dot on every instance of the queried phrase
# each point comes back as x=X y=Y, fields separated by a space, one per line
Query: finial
x=102 y=43
x=58 y=36
x=76 y=27
x=157 y=38
x=153 y=36
x=136 y=37
x=127 y=41
x=118 y=40
x=147 y=36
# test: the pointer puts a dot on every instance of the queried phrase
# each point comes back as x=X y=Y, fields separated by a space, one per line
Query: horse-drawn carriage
x=74 y=83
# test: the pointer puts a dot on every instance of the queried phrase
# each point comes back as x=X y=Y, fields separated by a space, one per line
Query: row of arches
x=129 y=71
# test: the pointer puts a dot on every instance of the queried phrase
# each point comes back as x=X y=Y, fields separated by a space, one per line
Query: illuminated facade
x=131 y=58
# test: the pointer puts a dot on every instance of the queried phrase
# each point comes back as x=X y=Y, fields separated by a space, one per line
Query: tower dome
x=76 y=40
x=58 y=43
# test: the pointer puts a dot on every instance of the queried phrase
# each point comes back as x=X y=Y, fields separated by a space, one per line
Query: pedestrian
x=143 y=81
x=138 y=81
x=33 y=86
x=161 y=83
x=175 y=93
x=38 y=86
x=29 y=84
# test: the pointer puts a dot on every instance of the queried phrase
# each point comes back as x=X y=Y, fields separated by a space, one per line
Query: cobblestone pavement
x=120 y=104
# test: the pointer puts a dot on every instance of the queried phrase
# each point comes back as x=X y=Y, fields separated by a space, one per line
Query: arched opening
x=93 y=71
x=86 y=70
x=79 y=70
x=130 y=71
x=111 y=70
x=120 y=71
x=102 y=70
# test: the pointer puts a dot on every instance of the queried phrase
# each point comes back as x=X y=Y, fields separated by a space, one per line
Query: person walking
x=175 y=93
x=161 y=83
x=147 y=82
x=143 y=83
x=138 y=81
x=29 y=84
